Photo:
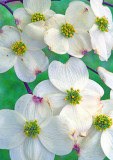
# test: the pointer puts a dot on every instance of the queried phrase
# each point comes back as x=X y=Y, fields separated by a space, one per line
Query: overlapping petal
x=33 y=108
x=11 y=129
x=28 y=66
x=73 y=74
x=56 y=135
x=80 y=15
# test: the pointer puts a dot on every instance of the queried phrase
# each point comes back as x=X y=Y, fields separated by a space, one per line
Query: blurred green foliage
x=11 y=88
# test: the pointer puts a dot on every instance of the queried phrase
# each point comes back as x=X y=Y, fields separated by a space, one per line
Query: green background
x=11 y=88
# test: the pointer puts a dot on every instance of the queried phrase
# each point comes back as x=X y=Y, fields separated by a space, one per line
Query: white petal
x=57 y=102
x=94 y=88
x=73 y=74
x=49 y=14
x=11 y=129
x=44 y=89
x=17 y=153
x=33 y=35
x=33 y=108
x=22 y=18
x=56 y=135
x=90 y=147
x=109 y=16
x=98 y=8
x=81 y=117
x=29 y=65
x=7 y=59
x=111 y=94
x=56 y=41
x=107 y=107
x=8 y=36
x=79 y=45
x=34 y=150
x=106 y=76
x=37 y=5
x=98 y=42
x=80 y=15
x=107 y=142
x=56 y=21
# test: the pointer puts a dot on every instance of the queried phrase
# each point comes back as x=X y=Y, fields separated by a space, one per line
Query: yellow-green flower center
x=102 y=23
x=73 y=96
x=19 y=48
x=102 y=122
x=37 y=17
x=68 y=30
x=31 y=129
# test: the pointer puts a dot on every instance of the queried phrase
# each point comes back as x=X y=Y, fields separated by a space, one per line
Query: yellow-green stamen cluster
x=102 y=24
x=19 y=48
x=102 y=122
x=68 y=30
x=73 y=96
x=37 y=17
x=31 y=129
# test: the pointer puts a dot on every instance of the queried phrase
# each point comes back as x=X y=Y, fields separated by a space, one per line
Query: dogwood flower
x=71 y=93
x=31 y=132
x=101 y=38
x=34 y=14
x=99 y=142
x=107 y=77
x=19 y=50
x=69 y=33
x=34 y=11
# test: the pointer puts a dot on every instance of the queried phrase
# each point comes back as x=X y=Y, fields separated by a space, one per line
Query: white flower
x=34 y=14
x=31 y=132
x=71 y=92
x=99 y=142
x=101 y=38
x=107 y=77
x=19 y=50
x=69 y=33
x=34 y=11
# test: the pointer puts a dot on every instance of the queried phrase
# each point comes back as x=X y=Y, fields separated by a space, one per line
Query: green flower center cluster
x=102 y=122
x=68 y=30
x=19 y=48
x=31 y=129
x=37 y=17
x=102 y=23
x=73 y=96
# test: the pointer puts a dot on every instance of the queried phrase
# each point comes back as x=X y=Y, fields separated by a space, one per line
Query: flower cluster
x=64 y=112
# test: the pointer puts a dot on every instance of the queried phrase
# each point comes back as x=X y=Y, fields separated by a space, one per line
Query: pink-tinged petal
x=56 y=41
x=7 y=59
x=106 y=76
x=72 y=74
x=11 y=129
x=90 y=147
x=79 y=45
x=80 y=15
x=22 y=18
x=57 y=135
x=8 y=36
x=111 y=94
x=33 y=108
x=44 y=89
x=29 y=64
x=98 y=42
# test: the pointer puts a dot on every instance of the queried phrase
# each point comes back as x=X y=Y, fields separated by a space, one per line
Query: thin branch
x=92 y=69
x=108 y=4
x=28 y=89
x=3 y=4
